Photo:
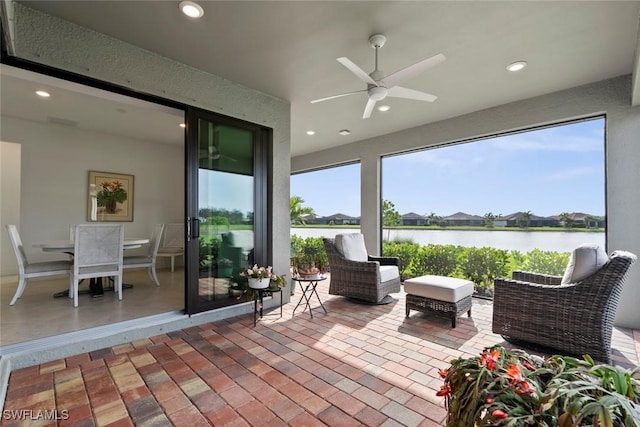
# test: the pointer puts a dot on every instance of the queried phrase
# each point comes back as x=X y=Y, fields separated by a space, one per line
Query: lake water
x=523 y=241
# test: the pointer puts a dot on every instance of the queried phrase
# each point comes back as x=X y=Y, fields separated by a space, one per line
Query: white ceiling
x=289 y=50
x=87 y=108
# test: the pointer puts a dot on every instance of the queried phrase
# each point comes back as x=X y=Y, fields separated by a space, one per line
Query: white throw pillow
x=351 y=246
x=585 y=260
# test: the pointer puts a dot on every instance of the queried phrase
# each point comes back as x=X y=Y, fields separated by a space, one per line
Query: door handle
x=195 y=227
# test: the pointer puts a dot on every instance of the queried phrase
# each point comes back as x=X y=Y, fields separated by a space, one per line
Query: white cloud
x=548 y=141
x=567 y=174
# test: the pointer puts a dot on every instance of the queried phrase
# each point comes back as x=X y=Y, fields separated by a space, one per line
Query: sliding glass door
x=227 y=187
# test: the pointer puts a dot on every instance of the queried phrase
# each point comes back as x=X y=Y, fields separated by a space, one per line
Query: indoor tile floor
x=38 y=314
x=357 y=365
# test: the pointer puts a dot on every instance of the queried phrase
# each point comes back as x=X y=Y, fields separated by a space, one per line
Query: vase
x=256 y=283
x=110 y=206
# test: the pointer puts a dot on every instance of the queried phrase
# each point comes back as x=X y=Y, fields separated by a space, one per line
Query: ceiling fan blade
x=403 y=92
x=362 y=75
x=368 y=108
x=412 y=70
x=337 y=96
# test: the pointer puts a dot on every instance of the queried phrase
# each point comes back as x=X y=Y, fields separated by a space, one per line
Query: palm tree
x=525 y=219
x=297 y=212
x=433 y=218
x=567 y=219
x=591 y=221
x=488 y=219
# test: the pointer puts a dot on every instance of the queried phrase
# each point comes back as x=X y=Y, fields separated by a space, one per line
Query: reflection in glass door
x=222 y=206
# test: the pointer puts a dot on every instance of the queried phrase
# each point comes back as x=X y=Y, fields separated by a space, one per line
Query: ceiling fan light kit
x=380 y=86
x=191 y=9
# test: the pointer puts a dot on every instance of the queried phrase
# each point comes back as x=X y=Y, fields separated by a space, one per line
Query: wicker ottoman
x=439 y=295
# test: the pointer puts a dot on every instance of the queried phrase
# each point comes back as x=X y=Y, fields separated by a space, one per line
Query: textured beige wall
x=610 y=97
x=10 y=155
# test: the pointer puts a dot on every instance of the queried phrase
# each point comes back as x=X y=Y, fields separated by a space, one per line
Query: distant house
x=583 y=220
x=500 y=221
x=413 y=218
x=310 y=219
x=461 y=218
x=338 y=219
x=517 y=219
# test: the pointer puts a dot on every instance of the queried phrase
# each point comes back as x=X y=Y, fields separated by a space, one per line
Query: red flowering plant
x=513 y=388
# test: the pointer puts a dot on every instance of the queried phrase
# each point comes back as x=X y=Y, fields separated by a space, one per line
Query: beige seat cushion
x=388 y=272
x=439 y=288
x=585 y=260
x=351 y=246
x=241 y=239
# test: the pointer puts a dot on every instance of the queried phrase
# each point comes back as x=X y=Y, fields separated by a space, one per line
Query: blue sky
x=546 y=171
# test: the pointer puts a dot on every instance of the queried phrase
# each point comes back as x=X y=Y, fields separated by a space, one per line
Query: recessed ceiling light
x=311 y=132
x=191 y=9
x=182 y=125
x=384 y=108
x=517 y=66
x=42 y=93
x=344 y=132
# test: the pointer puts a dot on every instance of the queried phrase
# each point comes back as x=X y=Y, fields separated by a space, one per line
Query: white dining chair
x=173 y=243
x=97 y=250
x=27 y=270
x=149 y=260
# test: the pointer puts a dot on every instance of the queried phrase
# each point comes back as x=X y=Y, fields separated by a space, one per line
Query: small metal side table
x=258 y=297
x=308 y=287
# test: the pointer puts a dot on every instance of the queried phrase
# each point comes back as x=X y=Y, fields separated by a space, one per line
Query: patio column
x=370 y=201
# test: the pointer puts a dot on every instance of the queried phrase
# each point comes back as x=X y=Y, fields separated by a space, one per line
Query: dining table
x=95 y=286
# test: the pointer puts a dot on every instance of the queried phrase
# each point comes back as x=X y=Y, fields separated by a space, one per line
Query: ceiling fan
x=379 y=86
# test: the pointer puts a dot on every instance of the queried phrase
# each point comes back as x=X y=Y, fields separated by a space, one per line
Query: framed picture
x=110 y=197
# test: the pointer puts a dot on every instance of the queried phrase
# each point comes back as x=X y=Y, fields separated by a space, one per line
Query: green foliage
x=502 y=388
x=206 y=252
x=390 y=216
x=297 y=243
x=483 y=265
x=545 y=262
x=217 y=220
x=297 y=212
x=516 y=261
x=406 y=251
x=441 y=260
x=309 y=251
x=489 y=218
x=233 y=216
x=567 y=219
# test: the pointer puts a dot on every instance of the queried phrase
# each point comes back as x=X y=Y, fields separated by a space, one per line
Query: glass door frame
x=262 y=155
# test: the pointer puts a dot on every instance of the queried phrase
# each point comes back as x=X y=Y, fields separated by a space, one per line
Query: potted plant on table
x=309 y=258
x=258 y=277
x=245 y=282
x=502 y=388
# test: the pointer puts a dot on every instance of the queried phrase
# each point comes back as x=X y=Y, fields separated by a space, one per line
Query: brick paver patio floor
x=357 y=365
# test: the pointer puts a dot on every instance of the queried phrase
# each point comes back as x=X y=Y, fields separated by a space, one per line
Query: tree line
x=391 y=217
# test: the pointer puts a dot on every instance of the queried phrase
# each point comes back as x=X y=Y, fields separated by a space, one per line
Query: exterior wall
x=610 y=97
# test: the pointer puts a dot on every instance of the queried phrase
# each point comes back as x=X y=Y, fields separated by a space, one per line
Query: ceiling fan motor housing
x=377 y=93
x=377 y=40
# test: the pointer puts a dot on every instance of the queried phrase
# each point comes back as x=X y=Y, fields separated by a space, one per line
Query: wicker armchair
x=575 y=319
x=362 y=280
